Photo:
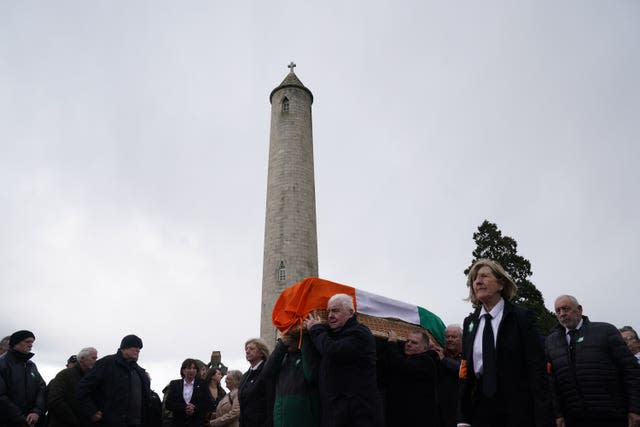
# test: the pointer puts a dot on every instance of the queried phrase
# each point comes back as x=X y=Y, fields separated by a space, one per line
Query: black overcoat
x=411 y=389
x=106 y=387
x=523 y=386
x=448 y=370
x=347 y=375
x=256 y=399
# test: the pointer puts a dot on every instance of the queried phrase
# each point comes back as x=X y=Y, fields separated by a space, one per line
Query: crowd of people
x=496 y=370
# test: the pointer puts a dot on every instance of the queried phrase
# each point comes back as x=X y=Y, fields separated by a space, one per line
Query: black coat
x=62 y=403
x=347 y=375
x=604 y=382
x=176 y=404
x=22 y=389
x=8 y=417
x=448 y=370
x=523 y=386
x=106 y=387
x=411 y=389
x=211 y=403
x=256 y=399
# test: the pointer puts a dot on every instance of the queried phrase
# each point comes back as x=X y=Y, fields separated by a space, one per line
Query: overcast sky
x=133 y=159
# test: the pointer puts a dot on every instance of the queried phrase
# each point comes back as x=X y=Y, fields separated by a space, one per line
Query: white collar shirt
x=566 y=331
x=187 y=390
x=496 y=317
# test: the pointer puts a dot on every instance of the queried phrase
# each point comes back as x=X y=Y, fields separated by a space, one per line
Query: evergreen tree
x=504 y=250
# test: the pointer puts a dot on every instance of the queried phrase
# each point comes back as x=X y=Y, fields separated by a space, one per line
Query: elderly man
x=116 y=392
x=411 y=382
x=631 y=337
x=64 y=410
x=347 y=374
x=449 y=368
x=595 y=379
x=22 y=389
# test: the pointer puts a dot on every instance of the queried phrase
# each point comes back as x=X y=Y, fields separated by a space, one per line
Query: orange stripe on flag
x=296 y=302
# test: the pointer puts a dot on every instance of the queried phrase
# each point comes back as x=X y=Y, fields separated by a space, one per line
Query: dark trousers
x=489 y=413
x=582 y=422
x=495 y=412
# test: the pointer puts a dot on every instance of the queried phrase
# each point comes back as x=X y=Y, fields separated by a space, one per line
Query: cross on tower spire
x=291 y=66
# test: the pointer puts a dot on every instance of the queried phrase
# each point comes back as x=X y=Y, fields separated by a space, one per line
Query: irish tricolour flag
x=297 y=301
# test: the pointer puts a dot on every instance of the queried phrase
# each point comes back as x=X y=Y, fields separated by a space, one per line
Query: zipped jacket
x=22 y=389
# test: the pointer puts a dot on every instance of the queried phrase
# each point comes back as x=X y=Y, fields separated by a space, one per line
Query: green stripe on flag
x=433 y=324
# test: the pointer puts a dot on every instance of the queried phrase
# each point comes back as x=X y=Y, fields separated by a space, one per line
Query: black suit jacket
x=256 y=396
x=523 y=386
x=177 y=405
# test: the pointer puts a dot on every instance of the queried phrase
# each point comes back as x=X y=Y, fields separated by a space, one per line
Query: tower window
x=281 y=272
x=285 y=105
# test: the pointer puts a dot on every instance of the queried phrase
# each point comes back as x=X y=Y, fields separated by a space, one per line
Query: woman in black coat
x=255 y=392
x=213 y=392
x=503 y=376
x=186 y=397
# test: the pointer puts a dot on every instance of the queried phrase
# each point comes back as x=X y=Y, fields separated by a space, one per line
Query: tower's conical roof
x=291 y=81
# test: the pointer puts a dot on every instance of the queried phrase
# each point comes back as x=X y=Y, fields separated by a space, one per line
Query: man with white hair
x=347 y=375
x=62 y=402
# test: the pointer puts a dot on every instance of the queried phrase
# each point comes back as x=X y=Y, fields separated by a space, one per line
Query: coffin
x=380 y=314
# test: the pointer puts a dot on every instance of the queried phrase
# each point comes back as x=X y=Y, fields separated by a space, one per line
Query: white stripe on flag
x=379 y=306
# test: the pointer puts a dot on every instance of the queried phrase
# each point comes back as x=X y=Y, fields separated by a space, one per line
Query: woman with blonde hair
x=228 y=411
x=255 y=392
x=503 y=382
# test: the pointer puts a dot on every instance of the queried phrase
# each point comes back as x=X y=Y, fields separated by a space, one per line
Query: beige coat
x=227 y=413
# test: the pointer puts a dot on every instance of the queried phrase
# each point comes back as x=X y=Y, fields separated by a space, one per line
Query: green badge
x=470 y=327
x=580 y=339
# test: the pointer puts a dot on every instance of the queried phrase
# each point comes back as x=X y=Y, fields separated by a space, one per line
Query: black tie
x=572 y=344
x=488 y=359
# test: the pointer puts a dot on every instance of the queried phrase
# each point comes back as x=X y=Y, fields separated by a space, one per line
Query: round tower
x=290 y=237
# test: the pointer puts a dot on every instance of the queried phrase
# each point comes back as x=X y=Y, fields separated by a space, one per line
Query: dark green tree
x=503 y=249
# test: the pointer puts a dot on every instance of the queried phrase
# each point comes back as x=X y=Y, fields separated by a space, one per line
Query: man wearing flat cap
x=116 y=392
x=22 y=389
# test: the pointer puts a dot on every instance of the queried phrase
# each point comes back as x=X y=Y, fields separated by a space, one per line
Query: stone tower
x=290 y=237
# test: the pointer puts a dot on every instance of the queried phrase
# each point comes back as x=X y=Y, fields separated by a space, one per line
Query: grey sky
x=134 y=142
